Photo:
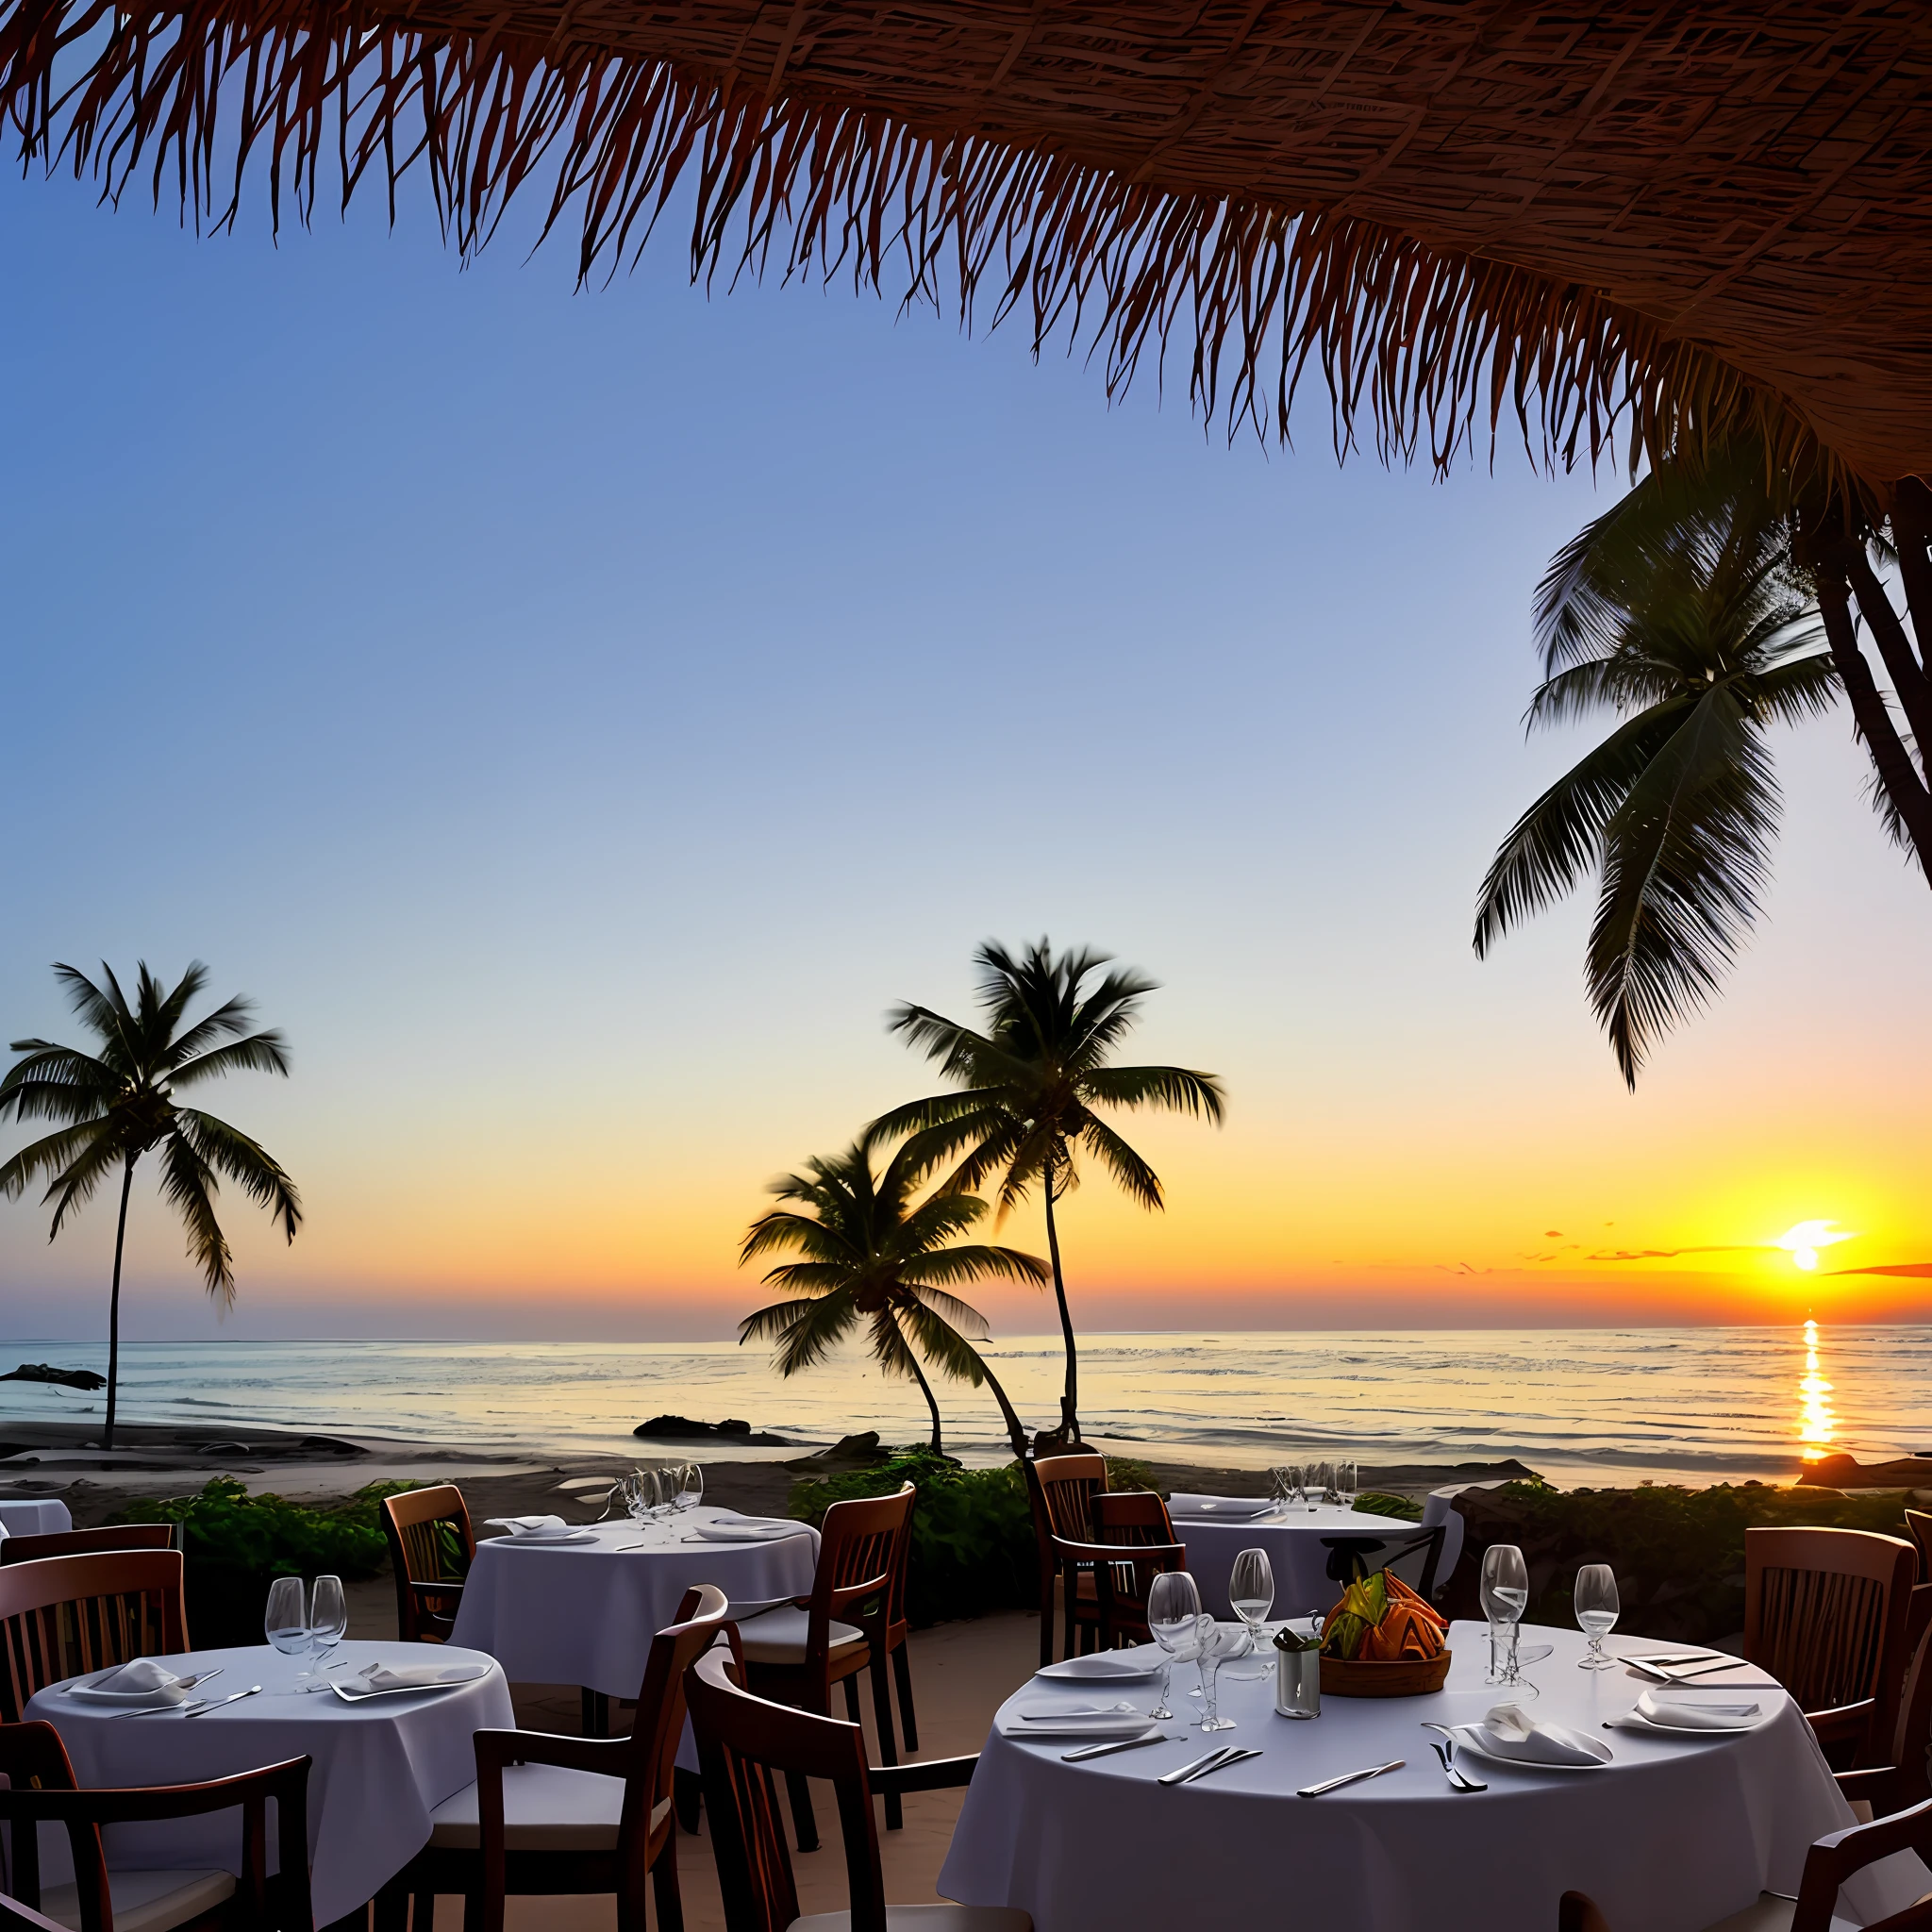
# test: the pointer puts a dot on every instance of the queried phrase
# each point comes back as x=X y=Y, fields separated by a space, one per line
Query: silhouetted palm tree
x=1027 y=1089
x=1681 y=610
x=873 y=1257
x=119 y=1104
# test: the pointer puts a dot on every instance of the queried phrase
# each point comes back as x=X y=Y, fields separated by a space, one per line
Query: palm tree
x=117 y=1103
x=871 y=1256
x=1682 y=611
x=1027 y=1089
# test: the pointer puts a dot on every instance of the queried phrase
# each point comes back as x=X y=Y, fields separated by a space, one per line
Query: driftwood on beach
x=68 y=1378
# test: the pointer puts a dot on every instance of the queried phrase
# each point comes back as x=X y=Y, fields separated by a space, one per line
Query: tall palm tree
x=1027 y=1089
x=118 y=1103
x=872 y=1256
x=1682 y=611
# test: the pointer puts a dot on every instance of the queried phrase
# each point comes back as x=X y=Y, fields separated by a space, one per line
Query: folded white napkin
x=1684 y=1714
x=1102 y=1666
x=1047 y=1717
x=142 y=1683
x=1236 y=1508
x=538 y=1527
x=1043 y=1723
x=1510 y=1731
x=381 y=1677
x=747 y=1529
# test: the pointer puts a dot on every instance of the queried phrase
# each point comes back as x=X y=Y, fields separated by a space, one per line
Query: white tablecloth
x=380 y=1768
x=37 y=1516
x=1671 y=1837
x=1295 y=1554
x=584 y=1613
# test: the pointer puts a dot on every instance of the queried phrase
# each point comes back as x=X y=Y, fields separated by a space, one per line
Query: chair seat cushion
x=545 y=1809
x=777 y=1637
x=146 y=1900
x=927 y=1919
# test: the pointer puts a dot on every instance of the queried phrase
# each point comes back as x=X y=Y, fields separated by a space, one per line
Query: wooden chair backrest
x=1918 y=1527
x=1913 y=1737
x=1066 y=1486
x=860 y=1548
x=429 y=1540
x=40 y=1791
x=1826 y=1613
x=65 y=1615
x=743 y=1740
x=658 y=1727
x=1131 y=1516
x=83 y=1542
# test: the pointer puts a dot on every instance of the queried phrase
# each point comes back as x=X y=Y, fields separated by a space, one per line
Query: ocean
x=1584 y=1405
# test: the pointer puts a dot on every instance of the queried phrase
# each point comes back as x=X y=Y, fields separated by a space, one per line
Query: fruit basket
x=1408 y=1676
x=1383 y=1641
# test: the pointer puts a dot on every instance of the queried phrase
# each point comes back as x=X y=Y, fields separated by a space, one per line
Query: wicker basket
x=1364 y=1677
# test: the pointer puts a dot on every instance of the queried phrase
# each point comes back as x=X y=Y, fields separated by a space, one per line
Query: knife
x=1348 y=1777
x=1087 y=1751
x=1221 y=1763
x=1712 y=1668
x=234 y=1697
x=1184 y=1772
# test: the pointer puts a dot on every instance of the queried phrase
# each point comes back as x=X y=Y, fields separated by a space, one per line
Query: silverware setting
x=1221 y=1763
x=1202 y=1767
x=1087 y=1751
x=1460 y=1780
x=186 y=1683
x=1680 y=1670
x=1348 y=1777
x=233 y=1697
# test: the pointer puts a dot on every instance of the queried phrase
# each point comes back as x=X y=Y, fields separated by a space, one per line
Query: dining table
x=584 y=1611
x=1671 y=1834
x=380 y=1767
x=1297 y=1537
x=33 y=1516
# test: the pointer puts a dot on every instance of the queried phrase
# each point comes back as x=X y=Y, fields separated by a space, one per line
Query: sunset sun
x=1803 y=1239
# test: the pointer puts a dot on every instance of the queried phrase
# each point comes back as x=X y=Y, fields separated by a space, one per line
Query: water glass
x=328 y=1615
x=1317 y=1479
x=1595 y=1598
x=690 y=1487
x=1251 y=1590
x=1174 y=1615
x=641 y=1495
x=1346 y=1485
x=1505 y=1597
x=285 y=1621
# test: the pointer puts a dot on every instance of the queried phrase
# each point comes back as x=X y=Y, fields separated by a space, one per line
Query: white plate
x=1094 y=1730
x=1082 y=1670
x=1472 y=1735
x=548 y=1543
x=349 y=1696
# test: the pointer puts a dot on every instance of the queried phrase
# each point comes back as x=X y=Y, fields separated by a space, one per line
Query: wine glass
x=1317 y=1479
x=1346 y=1484
x=284 y=1618
x=1293 y=1475
x=329 y=1616
x=1251 y=1590
x=690 y=1487
x=1216 y=1642
x=1174 y=1615
x=1595 y=1598
x=1505 y=1597
x=639 y=1496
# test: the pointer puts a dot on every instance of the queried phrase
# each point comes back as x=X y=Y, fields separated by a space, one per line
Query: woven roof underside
x=1754 y=178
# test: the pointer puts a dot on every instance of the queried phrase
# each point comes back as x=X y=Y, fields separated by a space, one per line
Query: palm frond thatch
x=1600 y=227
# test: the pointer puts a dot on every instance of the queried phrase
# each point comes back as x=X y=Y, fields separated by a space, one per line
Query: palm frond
x=230 y=1152
x=227 y=1020
x=977 y=1263
x=1619 y=683
x=1131 y=1174
x=1179 y=1089
x=949 y=1308
x=942 y=1345
x=260 y=1052
x=105 y=1012
x=190 y=1186
x=55 y=1157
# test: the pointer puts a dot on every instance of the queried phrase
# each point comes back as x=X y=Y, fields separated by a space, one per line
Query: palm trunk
x=1902 y=782
x=1070 y=1399
x=939 y=1447
x=1016 y=1429
x=114 y=1306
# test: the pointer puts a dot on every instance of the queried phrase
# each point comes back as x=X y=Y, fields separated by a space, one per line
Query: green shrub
x=1678 y=1553
x=972 y=1532
x=1375 y=1502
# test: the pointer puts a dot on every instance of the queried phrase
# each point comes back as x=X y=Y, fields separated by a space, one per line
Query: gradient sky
x=576 y=717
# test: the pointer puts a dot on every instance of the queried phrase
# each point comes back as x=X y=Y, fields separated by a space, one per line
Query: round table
x=34 y=1516
x=584 y=1613
x=380 y=1768
x=1671 y=1837
x=1296 y=1552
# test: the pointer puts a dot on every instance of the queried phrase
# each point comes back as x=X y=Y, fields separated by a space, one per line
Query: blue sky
x=575 y=716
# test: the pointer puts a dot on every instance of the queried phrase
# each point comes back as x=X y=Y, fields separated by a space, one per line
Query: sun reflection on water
x=1817 y=1423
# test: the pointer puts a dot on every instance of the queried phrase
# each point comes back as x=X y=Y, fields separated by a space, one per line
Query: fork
x=1458 y=1780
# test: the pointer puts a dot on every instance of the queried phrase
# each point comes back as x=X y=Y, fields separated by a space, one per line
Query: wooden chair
x=1902 y=1780
x=1133 y=1542
x=1825 y=1612
x=431 y=1547
x=83 y=1542
x=551 y=1815
x=796 y=1652
x=157 y=1901
x=898 y=1636
x=65 y=1615
x=15 y=1917
x=1062 y=1489
x=743 y=1740
x=1918 y=1527
x=1836 y=1858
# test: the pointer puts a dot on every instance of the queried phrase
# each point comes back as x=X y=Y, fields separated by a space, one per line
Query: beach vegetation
x=874 y=1258
x=1030 y=1088
x=120 y=1101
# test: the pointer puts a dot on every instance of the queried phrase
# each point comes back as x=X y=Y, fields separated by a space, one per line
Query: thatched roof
x=1681 y=213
